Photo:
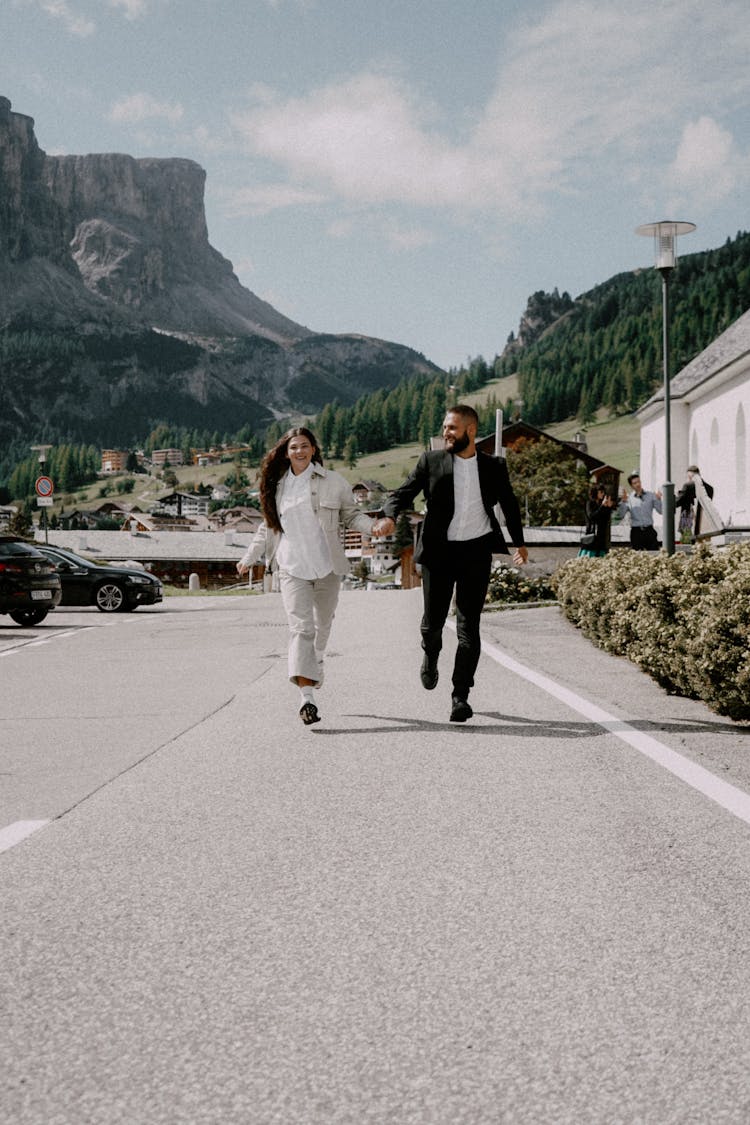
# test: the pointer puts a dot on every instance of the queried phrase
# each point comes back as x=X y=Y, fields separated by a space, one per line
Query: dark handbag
x=588 y=539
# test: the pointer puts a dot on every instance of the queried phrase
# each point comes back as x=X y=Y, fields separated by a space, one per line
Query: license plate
x=41 y=595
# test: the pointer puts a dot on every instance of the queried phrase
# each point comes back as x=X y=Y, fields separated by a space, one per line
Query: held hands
x=521 y=556
x=242 y=569
x=383 y=526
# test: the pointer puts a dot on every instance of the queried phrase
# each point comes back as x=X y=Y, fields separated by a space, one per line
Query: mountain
x=116 y=312
x=604 y=348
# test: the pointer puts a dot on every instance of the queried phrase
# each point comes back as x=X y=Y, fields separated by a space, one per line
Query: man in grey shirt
x=641 y=506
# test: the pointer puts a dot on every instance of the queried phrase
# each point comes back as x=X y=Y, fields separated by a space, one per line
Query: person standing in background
x=690 y=509
x=599 y=508
x=640 y=505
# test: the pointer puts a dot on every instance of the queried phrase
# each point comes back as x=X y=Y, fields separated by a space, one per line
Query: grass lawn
x=614 y=440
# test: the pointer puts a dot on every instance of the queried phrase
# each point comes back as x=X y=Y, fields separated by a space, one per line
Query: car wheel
x=28 y=616
x=110 y=598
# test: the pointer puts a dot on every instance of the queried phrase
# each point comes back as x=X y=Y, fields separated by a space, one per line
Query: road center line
x=12 y=834
x=731 y=798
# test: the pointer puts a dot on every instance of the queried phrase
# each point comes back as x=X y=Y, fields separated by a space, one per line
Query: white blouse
x=303 y=549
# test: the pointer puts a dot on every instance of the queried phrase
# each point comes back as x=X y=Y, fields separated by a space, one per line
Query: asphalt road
x=212 y=914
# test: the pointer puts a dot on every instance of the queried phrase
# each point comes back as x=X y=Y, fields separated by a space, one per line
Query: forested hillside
x=605 y=348
x=572 y=357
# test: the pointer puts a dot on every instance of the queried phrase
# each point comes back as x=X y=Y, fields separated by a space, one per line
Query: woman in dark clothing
x=599 y=507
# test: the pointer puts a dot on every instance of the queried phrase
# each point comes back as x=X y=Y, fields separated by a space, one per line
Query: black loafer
x=460 y=711
x=428 y=673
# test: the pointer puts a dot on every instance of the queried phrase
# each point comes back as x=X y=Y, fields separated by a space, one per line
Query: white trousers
x=310 y=605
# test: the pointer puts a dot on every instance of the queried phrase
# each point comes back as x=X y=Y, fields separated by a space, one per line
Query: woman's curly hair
x=272 y=468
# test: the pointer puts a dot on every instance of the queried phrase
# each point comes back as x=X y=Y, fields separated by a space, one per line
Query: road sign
x=44 y=501
x=44 y=486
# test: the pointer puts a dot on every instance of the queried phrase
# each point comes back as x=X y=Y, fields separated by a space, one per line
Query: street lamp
x=664 y=234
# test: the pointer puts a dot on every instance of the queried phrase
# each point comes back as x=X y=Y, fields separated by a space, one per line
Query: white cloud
x=75 y=23
x=80 y=25
x=706 y=167
x=590 y=88
x=132 y=8
x=364 y=139
x=142 y=107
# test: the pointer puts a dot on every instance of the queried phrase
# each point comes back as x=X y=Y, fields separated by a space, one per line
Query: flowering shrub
x=508 y=584
x=683 y=619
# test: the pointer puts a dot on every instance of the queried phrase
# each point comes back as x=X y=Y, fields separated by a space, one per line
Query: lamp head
x=664 y=234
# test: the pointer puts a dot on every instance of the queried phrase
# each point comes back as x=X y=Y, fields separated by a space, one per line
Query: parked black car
x=29 y=585
x=110 y=588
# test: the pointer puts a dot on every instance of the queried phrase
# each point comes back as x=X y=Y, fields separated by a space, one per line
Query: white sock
x=307 y=694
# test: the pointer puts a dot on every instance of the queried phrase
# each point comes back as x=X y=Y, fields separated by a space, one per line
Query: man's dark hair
x=468 y=413
x=632 y=477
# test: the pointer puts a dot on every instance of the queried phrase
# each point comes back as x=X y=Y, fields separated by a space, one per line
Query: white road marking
x=21 y=645
x=12 y=834
x=702 y=780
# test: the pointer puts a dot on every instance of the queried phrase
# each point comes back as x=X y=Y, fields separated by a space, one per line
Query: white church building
x=710 y=425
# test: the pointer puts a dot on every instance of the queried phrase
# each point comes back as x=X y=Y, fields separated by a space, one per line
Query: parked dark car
x=29 y=585
x=110 y=588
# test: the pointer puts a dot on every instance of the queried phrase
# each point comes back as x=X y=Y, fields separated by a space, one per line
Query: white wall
x=711 y=429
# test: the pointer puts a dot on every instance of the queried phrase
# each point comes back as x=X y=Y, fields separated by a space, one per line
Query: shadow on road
x=520 y=726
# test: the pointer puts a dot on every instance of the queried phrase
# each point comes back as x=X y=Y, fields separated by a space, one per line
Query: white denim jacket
x=333 y=503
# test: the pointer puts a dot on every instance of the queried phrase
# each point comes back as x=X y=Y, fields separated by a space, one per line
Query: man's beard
x=460 y=444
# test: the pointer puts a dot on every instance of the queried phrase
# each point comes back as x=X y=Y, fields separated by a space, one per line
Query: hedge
x=508 y=584
x=684 y=619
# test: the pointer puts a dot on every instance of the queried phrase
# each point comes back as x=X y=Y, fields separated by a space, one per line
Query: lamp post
x=664 y=234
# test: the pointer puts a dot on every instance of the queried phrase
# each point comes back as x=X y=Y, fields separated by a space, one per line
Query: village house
x=170 y=555
x=167 y=457
x=114 y=460
x=239 y=518
x=188 y=504
x=577 y=450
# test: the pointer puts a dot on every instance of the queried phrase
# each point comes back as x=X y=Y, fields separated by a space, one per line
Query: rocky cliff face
x=31 y=223
x=114 y=302
x=137 y=233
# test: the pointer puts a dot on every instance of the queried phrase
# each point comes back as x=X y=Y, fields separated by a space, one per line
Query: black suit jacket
x=433 y=477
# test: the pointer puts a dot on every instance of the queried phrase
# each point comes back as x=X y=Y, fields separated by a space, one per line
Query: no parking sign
x=44 y=486
x=44 y=489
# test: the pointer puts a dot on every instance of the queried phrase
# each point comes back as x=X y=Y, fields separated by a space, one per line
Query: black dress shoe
x=460 y=711
x=428 y=673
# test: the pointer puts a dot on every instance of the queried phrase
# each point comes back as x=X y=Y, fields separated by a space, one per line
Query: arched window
x=740 y=457
x=695 y=457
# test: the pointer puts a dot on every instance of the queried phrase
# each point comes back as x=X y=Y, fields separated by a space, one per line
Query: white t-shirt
x=470 y=520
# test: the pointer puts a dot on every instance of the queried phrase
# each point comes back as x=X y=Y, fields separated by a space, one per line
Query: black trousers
x=644 y=539
x=463 y=566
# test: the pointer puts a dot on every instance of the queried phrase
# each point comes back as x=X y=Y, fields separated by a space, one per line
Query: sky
x=410 y=169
